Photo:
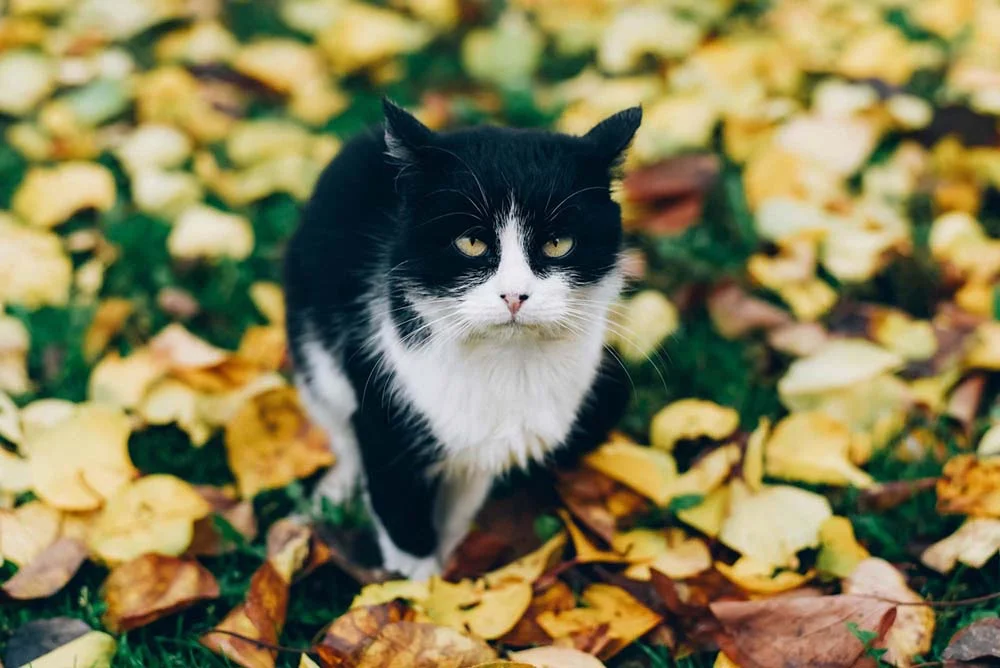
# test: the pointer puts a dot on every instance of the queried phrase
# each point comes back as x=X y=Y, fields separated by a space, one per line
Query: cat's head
x=505 y=234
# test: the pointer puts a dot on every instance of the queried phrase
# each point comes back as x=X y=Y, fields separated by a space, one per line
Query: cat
x=448 y=295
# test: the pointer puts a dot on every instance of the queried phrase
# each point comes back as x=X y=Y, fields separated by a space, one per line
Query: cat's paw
x=339 y=485
x=410 y=566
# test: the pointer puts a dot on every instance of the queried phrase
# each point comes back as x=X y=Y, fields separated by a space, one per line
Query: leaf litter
x=811 y=340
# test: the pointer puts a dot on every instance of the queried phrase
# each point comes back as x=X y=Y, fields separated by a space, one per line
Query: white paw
x=339 y=484
x=410 y=566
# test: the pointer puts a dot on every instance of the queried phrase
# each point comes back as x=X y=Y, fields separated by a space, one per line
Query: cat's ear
x=404 y=134
x=609 y=138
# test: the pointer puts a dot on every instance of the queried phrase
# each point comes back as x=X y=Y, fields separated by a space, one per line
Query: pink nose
x=514 y=302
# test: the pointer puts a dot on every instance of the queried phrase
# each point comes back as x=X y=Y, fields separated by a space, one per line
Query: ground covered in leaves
x=810 y=468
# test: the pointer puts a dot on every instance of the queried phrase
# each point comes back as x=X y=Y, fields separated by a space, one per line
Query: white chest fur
x=493 y=406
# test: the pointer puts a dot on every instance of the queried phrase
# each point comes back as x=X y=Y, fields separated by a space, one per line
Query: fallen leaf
x=270 y=443
x=709 y=515
x=690 y=419
x=753 y=457
x=638 y=326
x=596 y=500
x=48 y=196
x=706 y=474
x=913 y=629
x=773 y=525
x=839 y=551
x=471 y=608
x=260 y=617
x=414 y=645
x=35 y=271
x=125 y=381
x=838 y=364
x=649 y=472
x=288 y=546
x=735 y=313
x=380 y=593
x=622 y=618
x=887 y=495
x=973 y=544
x=757 y=578
x=202 y=232
x=154 y=514
x=556 y=657
x=977 y=641
x=669 y=551
x=347 y=637
x=59 y=642
x=80 y=462
x=556 y=598
x=270 y=301
x=26 y=531
x=586 y=551
x=800 y=631
x=26 y=79
x=814 y=448
x=151 y=587
x=108 y=321
x=237 y=513
x=970 y=486
x=963 y=404
x=47 y=573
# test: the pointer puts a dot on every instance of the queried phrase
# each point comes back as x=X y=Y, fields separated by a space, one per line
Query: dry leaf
x=596 y=500
x=556 y=598
x=34 y=269
x=270 y=443
x=839 y=551
x=471 y=608
x=839 y=364
x=412 y=645
x=384 y=592
x=773 y=525
x=670 y=551
x=79 y=462
x=344 y=640
x=270 y=301
x=108 y=321
x=47 y=573
x=586 y=551
x=735 y=313
x=154 y=514
x=978 y=641
x=48 y=196
x=151 y=587
x=238 y=513
x=973 y=544
x=689 y=419
x=913 y=628
x=611 y=611
x=125 y=381
x=556 y=657
x=57 y=643
x=800 y=631
x=708 y=516
x=970 y=486
x=202 y=232
x=814 y=448
x=362 y=36
x=706 y=474
x=26 y=79
x=639 y=325
x=756 y=578
x=649 y=472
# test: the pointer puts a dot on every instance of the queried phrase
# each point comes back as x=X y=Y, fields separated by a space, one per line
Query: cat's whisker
x=472 y=173
x=558 y=208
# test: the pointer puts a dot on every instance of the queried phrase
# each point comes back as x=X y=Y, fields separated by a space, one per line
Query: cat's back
x=334 y=255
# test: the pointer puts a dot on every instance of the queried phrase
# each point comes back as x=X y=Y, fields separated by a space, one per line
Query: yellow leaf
x=670 y=551
x=840 y=363
x=154 y=145
x=812 y=447
x=125 y=381
x=508 y=53
x=171 y=401
x=10 y=419
x=383 y=592
x=756 y=578
x=706 y=474
x=708 y=516
x=531 y=566
x=284 y=65
x=270 y=443
x=649 y=472
x=27 y=530
x=154 y=514
x=970 y=486
x=93 y=650
x=912 y=631
x=34 y=269
x=984 y=352
x=690 y=419
x=898 y=332
x=556 y=657
x=79 y=462
x=753 y=459
x=470 y=607
x=973 y=544
x=204 y=232
x=26 y=79
x=989 y=444
x=48 y=196
x=108 y=321
x=14 y=344
x=773 y=525
x=15 y=473
x=639 y=325
x=586 y=551
x=839 y=551
x=361 y=36
x=269 y=299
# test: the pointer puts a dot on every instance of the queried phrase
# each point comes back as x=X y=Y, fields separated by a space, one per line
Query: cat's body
x=442 y=334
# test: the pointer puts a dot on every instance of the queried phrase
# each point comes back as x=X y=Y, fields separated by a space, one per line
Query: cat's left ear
x=610 y=137
x=404 y=134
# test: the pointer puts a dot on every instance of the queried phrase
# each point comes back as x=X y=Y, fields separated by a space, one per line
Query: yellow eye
x=470 y=245
x=558 y=246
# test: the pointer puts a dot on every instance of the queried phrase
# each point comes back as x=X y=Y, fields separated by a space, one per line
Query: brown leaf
x=343 y=642
x=260 y=617
x=413 y=645
x=800 y=632
x=888 y=495
x=964 y=402
x=596 y=500
x=978 y=640
x=478 y=552
x=734 y=312
x=674 y=217
x=152 y=587
x=47 y=573
x=238 y=513
x=556 y=598
x=672 y=178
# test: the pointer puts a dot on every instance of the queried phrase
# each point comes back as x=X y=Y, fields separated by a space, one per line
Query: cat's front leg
x=402 y=506
x=459 y=499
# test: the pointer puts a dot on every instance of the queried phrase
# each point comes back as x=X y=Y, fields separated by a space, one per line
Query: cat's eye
x=558 y=246
x=470 y=245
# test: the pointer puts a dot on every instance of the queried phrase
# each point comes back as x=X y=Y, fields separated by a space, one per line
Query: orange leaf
x=153 y=586
x=349 y=635
x=413 y=645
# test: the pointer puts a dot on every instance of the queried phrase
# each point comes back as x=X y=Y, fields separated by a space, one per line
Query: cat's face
x=506 y=234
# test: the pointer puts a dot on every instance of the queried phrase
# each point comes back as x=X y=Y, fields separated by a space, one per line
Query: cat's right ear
x=404 y=134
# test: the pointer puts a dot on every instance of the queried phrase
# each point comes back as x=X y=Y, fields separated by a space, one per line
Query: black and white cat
x=448 y=296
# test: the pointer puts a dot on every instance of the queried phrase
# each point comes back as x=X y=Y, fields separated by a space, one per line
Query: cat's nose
x=514 y=302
